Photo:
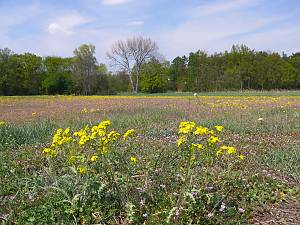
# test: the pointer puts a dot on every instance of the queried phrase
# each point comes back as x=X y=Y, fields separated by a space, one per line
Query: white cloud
x=136 y=23
x=55 y=28
x=278 y=39
x=114 y=2
x=212 y=34
x=222 y=6
x=216 y=27
x=67 y=23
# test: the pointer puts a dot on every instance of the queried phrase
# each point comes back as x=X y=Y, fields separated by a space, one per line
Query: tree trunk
x=131 y=82
x=137 y=83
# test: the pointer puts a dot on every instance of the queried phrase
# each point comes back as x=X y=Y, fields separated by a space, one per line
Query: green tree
x=154 y=76
x=5 y=55
x=118 y=82
x=58 y=75
x=294 y=60
x=25 y=75
x=178 y=73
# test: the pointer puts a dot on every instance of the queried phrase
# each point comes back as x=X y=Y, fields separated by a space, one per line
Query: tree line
x=140 y=67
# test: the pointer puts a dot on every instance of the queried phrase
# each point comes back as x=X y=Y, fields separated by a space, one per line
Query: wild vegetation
x=141 y=68
x=150 y=159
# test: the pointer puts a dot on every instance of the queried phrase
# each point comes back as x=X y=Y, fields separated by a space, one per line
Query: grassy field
x=159 y=174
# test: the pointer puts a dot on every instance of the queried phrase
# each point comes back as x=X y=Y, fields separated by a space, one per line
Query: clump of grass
x=286 y=160
x=12 y=136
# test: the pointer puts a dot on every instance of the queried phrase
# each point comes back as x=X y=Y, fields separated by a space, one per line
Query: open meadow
x=218 y=159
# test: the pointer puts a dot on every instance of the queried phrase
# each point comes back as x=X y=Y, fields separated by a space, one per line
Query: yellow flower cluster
x=197 y=146
x=203 y=131
x=133 y=160
x=61 y=137
x=82 y=170
x=219 y=128
x=128 y=133
x=94 y=158
x=2 y=123
x=212 y=140
x=50 y=152
x=186 y=127
x=230 y=150
x=181 y=140
x=84 y=111
x=85 y=145
x=189 y=132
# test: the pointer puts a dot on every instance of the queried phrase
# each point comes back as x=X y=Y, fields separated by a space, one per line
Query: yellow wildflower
x=95 y=129
x=128 y=134
x=103 y=149
x=94 y=158
x=2 y=123
x=77 y=133
x=219 y=128
x=133 y=160
x=57 y=138
x=186 y=127
x=66 y=132
x=231 y=150
x=33 y=114
x=82 y=170
x=49 y=152
x=101 y=133
x=65 y=140
x=202 y=131
x=83 y=140
x=181 y=141
x=213 y=140
x=81 y=132
x=104 y=141
x=84 y=110
x=223 y=147
x=241 y=157
x=113 y=135
x=198 y=146
x=93 y=135
x=104 y=124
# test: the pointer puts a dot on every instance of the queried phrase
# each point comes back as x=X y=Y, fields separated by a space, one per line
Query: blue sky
x=57 y=27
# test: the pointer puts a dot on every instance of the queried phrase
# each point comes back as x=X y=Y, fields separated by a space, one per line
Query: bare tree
x=130 y=55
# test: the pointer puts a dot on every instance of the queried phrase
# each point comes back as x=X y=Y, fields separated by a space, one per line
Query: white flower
x=260 y=119
x=195 y=94
x=210 y=215
x=142 y=202
x=241 y=210
x=222 y=207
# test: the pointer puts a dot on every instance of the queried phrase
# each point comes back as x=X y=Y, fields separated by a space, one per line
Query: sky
x=57 y=27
